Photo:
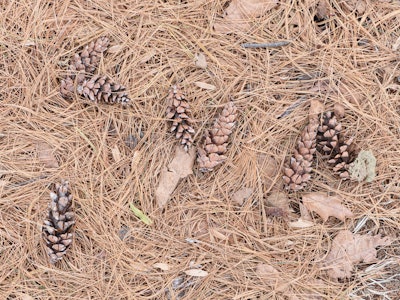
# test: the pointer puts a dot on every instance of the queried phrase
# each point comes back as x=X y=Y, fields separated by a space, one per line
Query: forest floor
x=204 y=243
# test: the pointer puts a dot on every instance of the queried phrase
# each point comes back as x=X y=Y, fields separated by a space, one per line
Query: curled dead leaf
x=161 y=266
x=301 y=223
x=196 y=273
x=349 y=249
x=205 y=86
x=280 y=200
x=316 y=108
x=114 y=49
x=326 y=206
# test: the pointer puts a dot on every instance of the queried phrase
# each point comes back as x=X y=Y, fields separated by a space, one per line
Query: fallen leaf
x=304 y=213
x=45 y=155
x=339 y=110
x=146 y=57
x=161 y=266
x=316 y=108
x=116 y=153
x=349 y=249
x=241 y=195
x=324 y=10
x=272 y=277
x=138 y=213
x=180 y=167
x=326 y=206
x=239 y=13
x=196 y=273
x=24 y=296
x=363 y=167
x=268 y=169
x=396 y=44
x=280 y=200
x=300 y=223
x=114 y=49
x=29 y=43
x=205 y=86
x=136 y=158
x=215 y=233
x=268 y=271
x=200 y=60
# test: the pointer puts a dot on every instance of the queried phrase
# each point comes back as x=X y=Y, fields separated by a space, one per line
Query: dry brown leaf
x=349 y=249
x=268 y=168
x=304 y=213
x=45 y=155
x=180 y=167
x=196 y=273
x=114 y=49
x=326 y=206
x=161 y=266
x=272 y=277
x=301 y=223
x=324 y=10
x=267 y=271
x=241 y=195
x=200 y=60
x=116 y=153
x=240 y=12
x=316 y=108
x=205 y=86
x=280 y=200
x=147 y=56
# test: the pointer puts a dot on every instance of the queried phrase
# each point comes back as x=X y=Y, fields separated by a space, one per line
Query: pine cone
x=103 y=89
x=57 y=229
x=333 y=145
x=84 y=62
x=297 y=174
x=211 y=154
x=179 y=112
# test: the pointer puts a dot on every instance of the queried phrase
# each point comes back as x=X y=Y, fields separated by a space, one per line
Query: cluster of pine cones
x=214 y=145
x=82 y=80
x=323 y=134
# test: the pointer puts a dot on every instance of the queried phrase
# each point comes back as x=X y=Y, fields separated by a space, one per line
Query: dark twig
x=266 y=45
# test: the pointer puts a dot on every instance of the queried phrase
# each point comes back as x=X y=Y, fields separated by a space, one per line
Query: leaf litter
x=349 y=249
x=179 y=168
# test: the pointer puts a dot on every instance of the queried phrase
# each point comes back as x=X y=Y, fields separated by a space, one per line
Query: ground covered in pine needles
x=112 y=156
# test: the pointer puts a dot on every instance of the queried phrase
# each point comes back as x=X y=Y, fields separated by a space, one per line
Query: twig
x=292 y=107
x=266 y=45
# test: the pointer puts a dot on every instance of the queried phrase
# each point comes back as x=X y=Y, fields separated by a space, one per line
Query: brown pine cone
x=211 y=153
x=84 y=62
x=103 y=89
x=334 y=146
x=57 y=229
x=178 y=111
x=297 y=173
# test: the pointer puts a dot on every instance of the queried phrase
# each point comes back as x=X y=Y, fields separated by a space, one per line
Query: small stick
x=266 y=45
x=292 y=107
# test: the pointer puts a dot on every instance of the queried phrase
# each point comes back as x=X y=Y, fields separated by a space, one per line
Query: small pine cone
x=88 y=60
x=84 y=62
x=333 y=146
x=103 y=89
x=211 y=154
x=297 y=174
x=57 y=228
x=178 y=110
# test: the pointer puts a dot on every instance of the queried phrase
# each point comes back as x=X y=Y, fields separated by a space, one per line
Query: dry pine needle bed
x=200 y=149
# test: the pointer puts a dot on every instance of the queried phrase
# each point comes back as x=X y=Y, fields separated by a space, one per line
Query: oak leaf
x=179 y=168
x=326 y=206
x=239 y=12
x=349 y=249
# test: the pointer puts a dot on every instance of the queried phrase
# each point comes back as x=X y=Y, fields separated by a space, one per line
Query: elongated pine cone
x=178 y=111
x=57 y=229
x=86 y=61
x=297 y=173
x=211 y=153
x=334 y=146
x=103 y=89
